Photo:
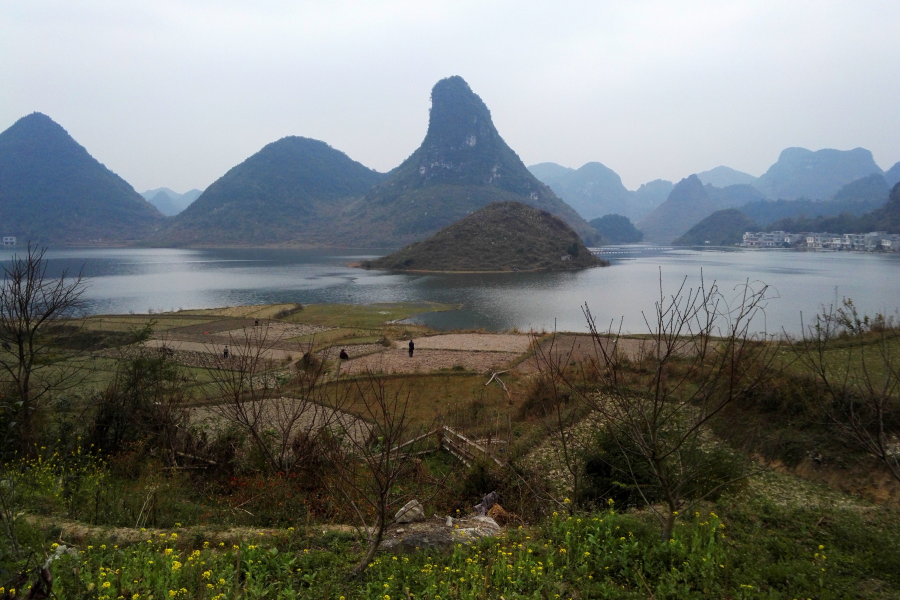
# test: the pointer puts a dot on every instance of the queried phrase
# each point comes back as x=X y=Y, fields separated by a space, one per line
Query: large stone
x=412 y=512
x=435 y=535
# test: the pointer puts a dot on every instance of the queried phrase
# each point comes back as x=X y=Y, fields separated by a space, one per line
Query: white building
x=769 y=239
x=9 y=240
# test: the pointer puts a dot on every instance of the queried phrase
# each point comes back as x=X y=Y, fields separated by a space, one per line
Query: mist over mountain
x=885 y=218
x=724 y=176
x=462 y=165
x=687 y=204
x=646 y=198
x=53 y=191
x=855 y=198
x=872 y=188
x=595 y=190
x=690 y=202
x=291 y=191
x=733 y=195
x=170 y=202
x=801 y=173
x=892 y=175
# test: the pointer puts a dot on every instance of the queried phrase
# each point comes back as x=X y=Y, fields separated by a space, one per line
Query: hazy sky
x=169 y=93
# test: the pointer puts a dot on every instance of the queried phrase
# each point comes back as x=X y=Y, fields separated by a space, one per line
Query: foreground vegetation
x=635 y=469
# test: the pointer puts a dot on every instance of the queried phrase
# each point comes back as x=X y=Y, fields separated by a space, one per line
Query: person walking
x=412 y=347
x=225 y=354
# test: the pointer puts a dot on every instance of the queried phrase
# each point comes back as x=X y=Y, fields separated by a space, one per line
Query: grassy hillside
x=53 y=191
x=504 y=236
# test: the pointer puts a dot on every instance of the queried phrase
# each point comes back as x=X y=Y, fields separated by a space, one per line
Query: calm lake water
x=138 y=280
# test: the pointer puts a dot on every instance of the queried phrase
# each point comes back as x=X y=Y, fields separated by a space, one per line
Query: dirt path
x=218 y=348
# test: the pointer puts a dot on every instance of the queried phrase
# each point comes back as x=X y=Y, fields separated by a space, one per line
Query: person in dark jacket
x=343 y=355
x=412 y=347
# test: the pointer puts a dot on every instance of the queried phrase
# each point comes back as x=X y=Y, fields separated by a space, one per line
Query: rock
x=412 y=512
x=486 y=503
x=436 y=535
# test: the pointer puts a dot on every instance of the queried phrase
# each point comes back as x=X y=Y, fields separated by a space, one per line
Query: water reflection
x=132 y=279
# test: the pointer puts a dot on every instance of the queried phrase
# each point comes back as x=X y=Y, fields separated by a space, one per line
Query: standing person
x=226 y=352
x=412 y=347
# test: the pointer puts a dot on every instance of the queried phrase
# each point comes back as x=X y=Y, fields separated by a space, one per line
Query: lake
x=139 y=280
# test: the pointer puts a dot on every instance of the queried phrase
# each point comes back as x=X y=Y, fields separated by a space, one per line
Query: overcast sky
x=169 y=93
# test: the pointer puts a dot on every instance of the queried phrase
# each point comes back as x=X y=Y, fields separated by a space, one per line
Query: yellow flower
x=176 y=565
x=106 y=584
x=207 y=574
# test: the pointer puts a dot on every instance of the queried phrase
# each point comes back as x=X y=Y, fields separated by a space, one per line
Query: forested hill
x=462 y=165
x=886 y=218
x=722 y=228
x=291 y=191
x=504 y=236
x=53 y=191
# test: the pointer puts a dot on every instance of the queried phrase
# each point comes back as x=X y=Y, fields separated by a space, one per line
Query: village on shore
x=875 y=241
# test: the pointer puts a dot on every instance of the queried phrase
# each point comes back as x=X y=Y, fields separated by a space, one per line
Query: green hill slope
x=617 y=229
x=504 y=236
x=885 y=218
x=53 y=191
x=462 y=165
x=722 y=228
x=288 y=192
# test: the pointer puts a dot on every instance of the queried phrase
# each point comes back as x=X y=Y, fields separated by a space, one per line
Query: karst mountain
x=53 y=191
x=461 y=166
x=290 y=192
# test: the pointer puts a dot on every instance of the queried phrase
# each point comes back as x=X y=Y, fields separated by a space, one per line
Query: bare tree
x=654 y=397
x=561 y=413
x=36 y=313
x=370 y=459
x=855 y=363
x=284 y=426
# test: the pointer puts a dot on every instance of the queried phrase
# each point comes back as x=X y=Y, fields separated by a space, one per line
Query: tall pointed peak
x=458 y=117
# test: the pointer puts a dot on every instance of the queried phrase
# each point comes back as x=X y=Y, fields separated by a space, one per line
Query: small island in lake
x=503 y=236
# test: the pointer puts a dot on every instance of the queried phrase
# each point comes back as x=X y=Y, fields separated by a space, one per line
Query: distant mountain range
x=169 y=202
x=299 y=191
x=595 y=190
x=801 y=182
x=726 y=227
x=53 y=191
